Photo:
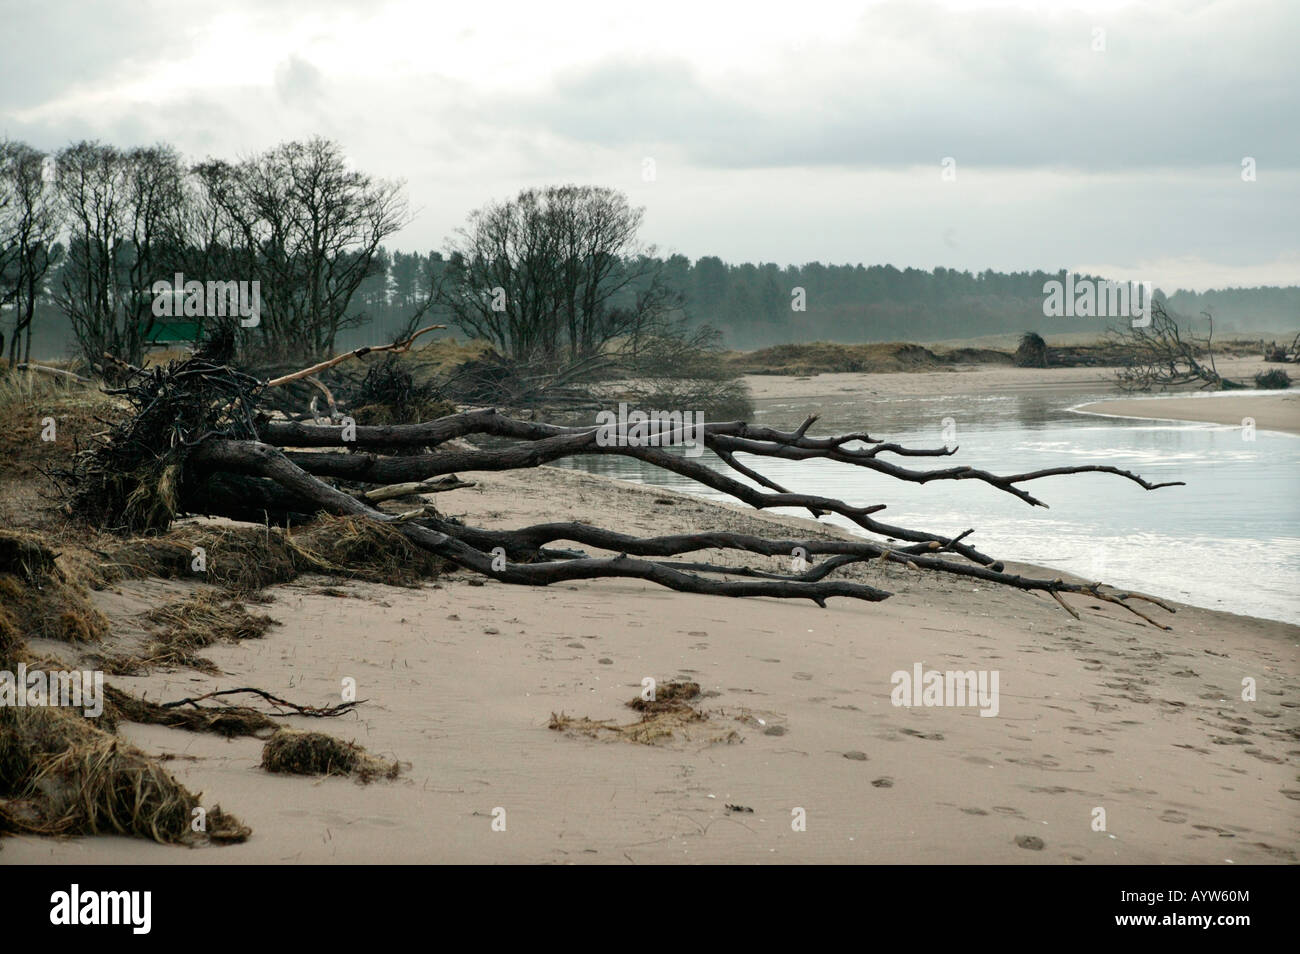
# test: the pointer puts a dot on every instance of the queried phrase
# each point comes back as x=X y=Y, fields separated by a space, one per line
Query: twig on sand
x=317 y=712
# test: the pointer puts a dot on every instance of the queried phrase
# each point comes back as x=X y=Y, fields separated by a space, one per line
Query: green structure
x=168 y=333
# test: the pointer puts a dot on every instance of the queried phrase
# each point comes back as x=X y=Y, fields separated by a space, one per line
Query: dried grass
x=663 y=719
x=314 y=753
x=62 y=775
x=244 y=559
x=184 y=627
x=37 y=598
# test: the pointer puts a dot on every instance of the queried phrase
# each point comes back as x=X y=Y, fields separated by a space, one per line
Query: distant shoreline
x=1270 y=411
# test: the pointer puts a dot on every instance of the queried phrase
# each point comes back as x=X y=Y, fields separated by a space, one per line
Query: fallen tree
x=200 y=441
x=1159 y=354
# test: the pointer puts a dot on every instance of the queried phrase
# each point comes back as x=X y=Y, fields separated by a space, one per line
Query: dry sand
x=462 y=679
x=1270 y=412
x=965 y=379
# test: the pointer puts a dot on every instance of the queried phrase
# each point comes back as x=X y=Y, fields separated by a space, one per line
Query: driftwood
x=396 y=347
x=59 y=372
x=197 y=424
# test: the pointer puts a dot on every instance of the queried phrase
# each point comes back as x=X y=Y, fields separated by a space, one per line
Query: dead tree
x=199 y=442
x=1160 y=355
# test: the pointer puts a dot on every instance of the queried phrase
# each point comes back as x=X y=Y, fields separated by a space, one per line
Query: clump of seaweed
x=670 y=697
x=662 y=719
x=314 y=753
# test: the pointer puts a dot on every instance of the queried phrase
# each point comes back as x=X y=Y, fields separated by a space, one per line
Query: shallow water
x=1229 y=539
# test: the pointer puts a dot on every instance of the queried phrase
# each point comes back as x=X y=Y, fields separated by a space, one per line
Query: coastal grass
x=243 y=559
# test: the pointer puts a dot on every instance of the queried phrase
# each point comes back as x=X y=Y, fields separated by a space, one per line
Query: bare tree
x=557 y=274
x=29 y=226
x=298 y=220
x=1160 y=354
x=122 y=209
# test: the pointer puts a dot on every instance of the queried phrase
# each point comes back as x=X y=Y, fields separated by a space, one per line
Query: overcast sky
x=785 y=132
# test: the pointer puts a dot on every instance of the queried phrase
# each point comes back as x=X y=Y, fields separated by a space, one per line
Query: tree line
x=555 y=275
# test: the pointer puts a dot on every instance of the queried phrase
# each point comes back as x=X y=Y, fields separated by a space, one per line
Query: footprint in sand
x=1046 y=762
x=885 y=782
x=1008 y=810
x=1173 y=817
x=932 y=736
x=1285 y=853
x=1263 y=756
x=855 y=756
x=1031 y=842
x=974 y=811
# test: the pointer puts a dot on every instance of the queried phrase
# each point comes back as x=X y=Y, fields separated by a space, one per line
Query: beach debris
x=1159 y=353
x=62 y=775
x=664 y=718
x=230 y=721
x=314 y=753
x=182 y=628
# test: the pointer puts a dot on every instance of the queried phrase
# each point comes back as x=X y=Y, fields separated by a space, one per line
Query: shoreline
x=1271 y=410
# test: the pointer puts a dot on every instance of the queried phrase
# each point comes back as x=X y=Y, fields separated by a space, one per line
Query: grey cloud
x=1006 y=93
x=297 y=81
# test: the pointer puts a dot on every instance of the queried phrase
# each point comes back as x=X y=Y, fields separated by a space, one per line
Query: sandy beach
x=1270 y=412
x=1103 y=721
x=964 y=379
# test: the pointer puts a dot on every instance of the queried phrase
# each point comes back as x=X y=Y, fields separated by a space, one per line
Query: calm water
x=1228 y=540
